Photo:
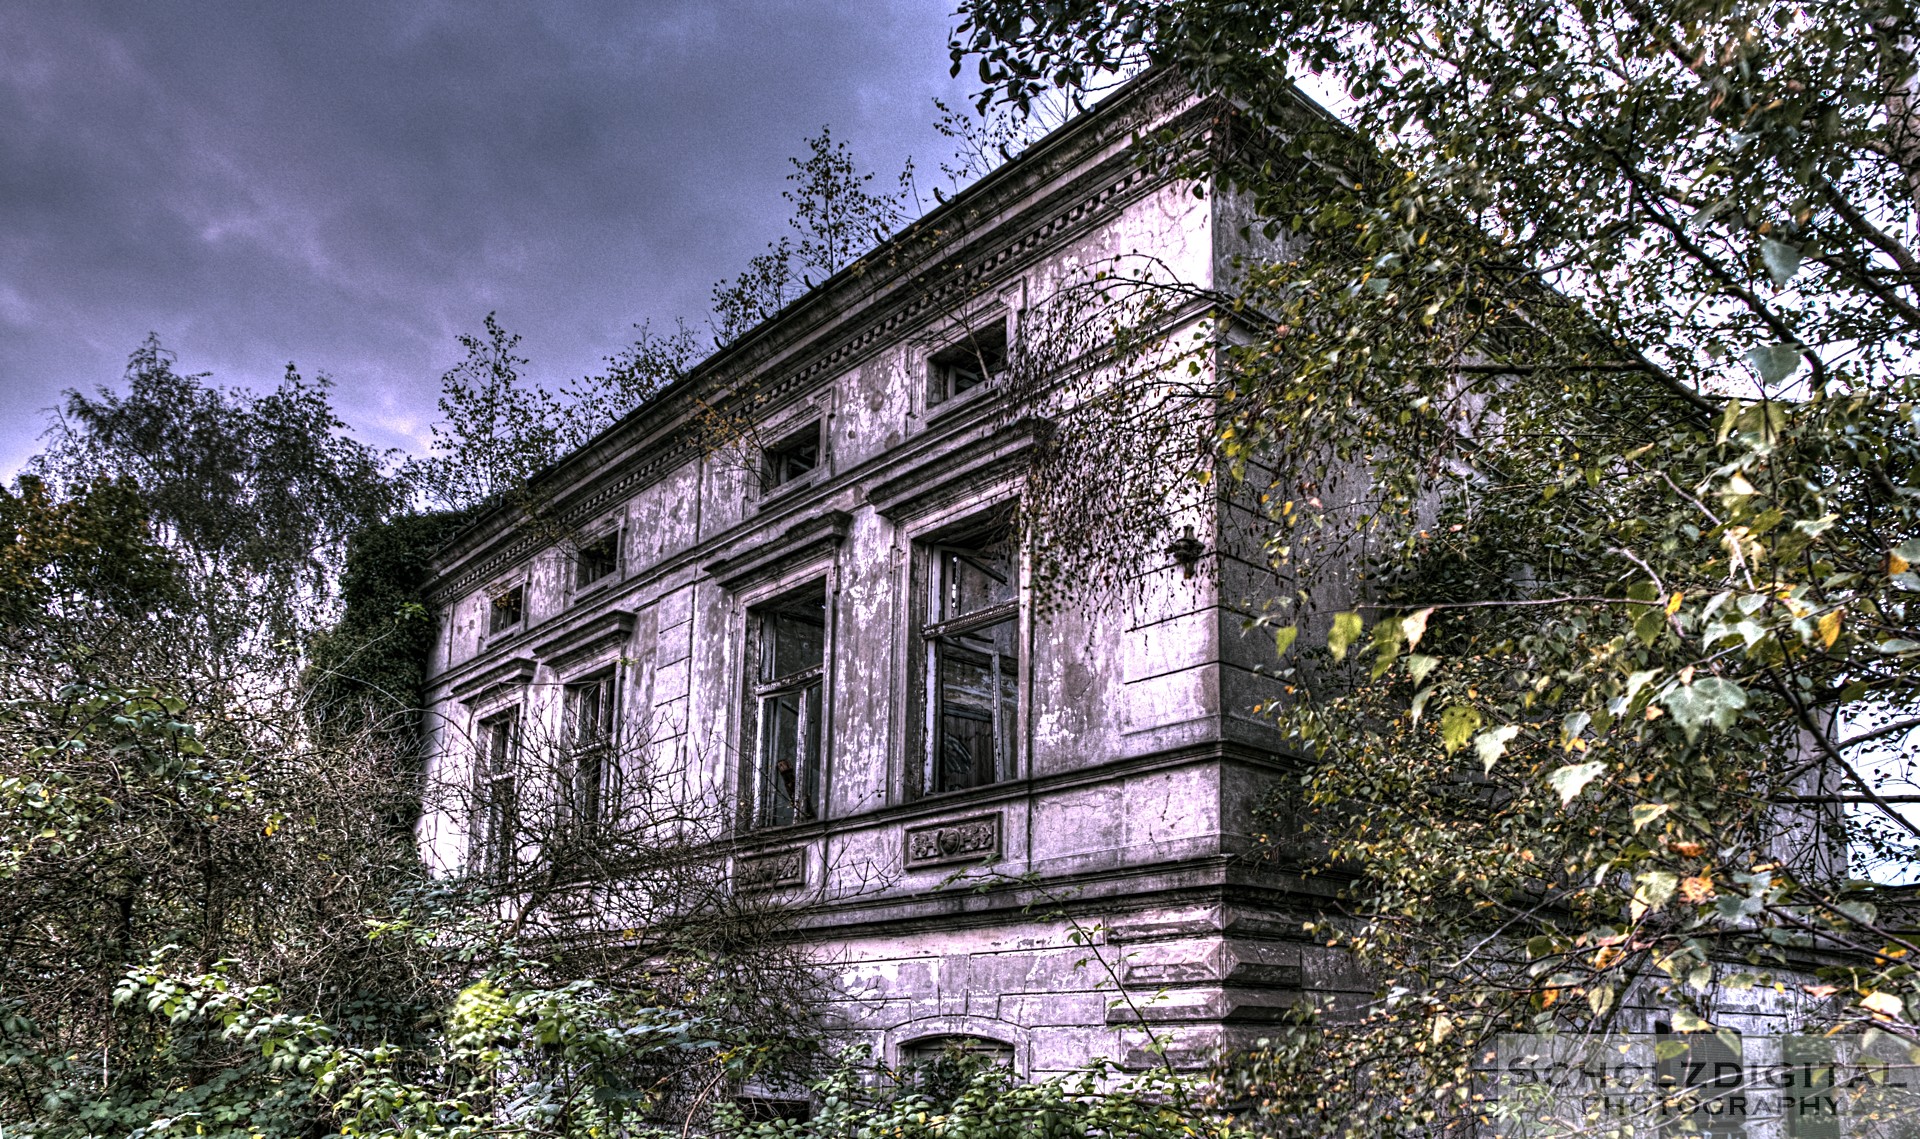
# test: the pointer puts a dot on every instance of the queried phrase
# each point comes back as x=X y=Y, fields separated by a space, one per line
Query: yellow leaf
x=1883 y=1004
x=1673 y=603
x=1829 y=626
x=1896 y=564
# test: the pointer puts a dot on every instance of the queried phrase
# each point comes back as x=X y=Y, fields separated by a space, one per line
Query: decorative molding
x=609 y=628
x=954 y=473
x=964 y=840
x=482 y=686
x=771 y=871
x=1107 y=186
x=764 y=557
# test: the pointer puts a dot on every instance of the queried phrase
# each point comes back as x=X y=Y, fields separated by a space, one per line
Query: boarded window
x=597 y=559
x=505 y=607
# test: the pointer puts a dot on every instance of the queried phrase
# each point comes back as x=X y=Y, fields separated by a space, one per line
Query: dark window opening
x=971 y=655
x=793 y=457
x=496 y=795
x=505 y=608
x=978 y=360
x=591 y=769
x=788 y=705
x=596 y=559
x=758 y=1109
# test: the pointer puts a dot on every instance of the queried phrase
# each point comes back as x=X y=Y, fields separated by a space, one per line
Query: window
x=794 y=457
x=791 y=651
x=591 y=770
x=496 y=798
x=971 y=656
x=975 y=1048
x=505 y=607
x=978 y=360
x=597 y=559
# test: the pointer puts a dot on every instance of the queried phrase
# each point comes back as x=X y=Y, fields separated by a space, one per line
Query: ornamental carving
x=766 y=871
x=965 y=840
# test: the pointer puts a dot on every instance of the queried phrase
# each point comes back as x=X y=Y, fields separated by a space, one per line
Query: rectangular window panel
x=788 y=709
x=972 y=665
x=495 y=789
x=505 y=608
x=976 y=696
x=590 y=761
x=597 y=559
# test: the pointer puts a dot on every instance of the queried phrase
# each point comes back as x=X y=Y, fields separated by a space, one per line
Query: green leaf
x=1649 y=624
x=1419 y=665
x=1572 y=779
x=1651 y=890
x=1775 y=362
x=1283 y=639
x=1709 y=700
x=1782 y=261
x=1644 y=813
x=1346 y=630
x=1457 y=725
x=1491 y=745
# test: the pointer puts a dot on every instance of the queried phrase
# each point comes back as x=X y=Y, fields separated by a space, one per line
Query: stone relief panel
x=976 y=839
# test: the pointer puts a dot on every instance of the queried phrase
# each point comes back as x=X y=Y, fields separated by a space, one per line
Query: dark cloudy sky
x=348 y=185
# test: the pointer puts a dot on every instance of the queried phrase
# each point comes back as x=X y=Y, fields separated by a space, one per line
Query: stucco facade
x=810 y=616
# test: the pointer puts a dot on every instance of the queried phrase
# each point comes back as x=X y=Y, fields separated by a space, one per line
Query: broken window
x=970 y=646
x=787 y=692
x=590 y=769
x=597 y=559
x=794 y=457
x=496 y=795
x=505 y=607
x=978 y=360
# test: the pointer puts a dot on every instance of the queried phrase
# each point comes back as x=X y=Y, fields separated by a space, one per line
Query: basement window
x=977 y=361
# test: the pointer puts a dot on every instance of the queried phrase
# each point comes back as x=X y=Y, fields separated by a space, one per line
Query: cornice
x=1007 y=241
x=604 y=629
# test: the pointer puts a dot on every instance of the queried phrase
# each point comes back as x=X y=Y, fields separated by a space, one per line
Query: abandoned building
x=821 y=625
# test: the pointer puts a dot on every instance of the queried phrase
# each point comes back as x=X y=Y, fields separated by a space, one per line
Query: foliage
x=958 y=1094
x=837 y=217
x=92 y=550
x=255 y=494
x=1580 y=411
x=498 y=432
x=364 y=675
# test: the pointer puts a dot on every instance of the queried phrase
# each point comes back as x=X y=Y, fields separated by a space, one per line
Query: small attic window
x=505 y=607
x=596 y=559
x=978 y=360
x=794 y=457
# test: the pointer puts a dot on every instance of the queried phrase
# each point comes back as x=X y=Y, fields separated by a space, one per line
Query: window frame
x=930 y=625
x=811 y=432
x=517 y=590
x=493 y=846
x=966 y=348
x=590 y=798
x=611 y=536
x=807 y=687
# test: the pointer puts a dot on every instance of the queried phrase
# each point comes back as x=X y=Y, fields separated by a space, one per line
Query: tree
x=836 y=219
x=255 y=495
x=1573 y=375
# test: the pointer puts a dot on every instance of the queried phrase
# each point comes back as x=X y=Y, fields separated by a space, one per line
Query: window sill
x=953 y=407
x=597 y=586
x=769 y=496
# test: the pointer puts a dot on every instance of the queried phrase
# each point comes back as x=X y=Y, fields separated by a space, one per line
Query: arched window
x=928 y=1049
